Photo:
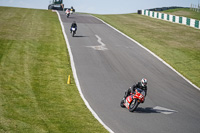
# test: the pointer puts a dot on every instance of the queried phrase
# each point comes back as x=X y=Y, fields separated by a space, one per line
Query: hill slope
x=34 y=65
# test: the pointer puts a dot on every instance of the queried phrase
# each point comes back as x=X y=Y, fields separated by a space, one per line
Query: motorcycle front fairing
x=139 y=94
x=128 y=101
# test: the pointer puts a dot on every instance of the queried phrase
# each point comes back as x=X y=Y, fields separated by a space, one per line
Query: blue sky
x=102 y=6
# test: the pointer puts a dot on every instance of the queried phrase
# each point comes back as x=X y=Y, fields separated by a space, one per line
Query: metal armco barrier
x=172 y=18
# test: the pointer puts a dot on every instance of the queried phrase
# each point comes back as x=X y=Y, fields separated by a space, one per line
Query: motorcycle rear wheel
x=73 y=33
x=133 y=105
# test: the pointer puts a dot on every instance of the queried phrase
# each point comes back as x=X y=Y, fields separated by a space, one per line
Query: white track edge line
x=76 y=77
x=150 y=53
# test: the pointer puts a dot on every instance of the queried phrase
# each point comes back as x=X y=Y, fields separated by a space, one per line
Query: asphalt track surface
x=107 y=64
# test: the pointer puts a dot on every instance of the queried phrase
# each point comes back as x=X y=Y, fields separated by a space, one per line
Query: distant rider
x=142 y=85
x=71 y=11
x=72 y=8
x=74 y=25
x=67 y=11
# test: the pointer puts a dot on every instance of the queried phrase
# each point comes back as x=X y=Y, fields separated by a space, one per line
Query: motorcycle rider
x=74 y=25
x=67 y=12
x=142 y=85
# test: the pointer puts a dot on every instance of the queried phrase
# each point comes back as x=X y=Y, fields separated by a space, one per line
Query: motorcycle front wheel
x=122 y=103
x=133 y=105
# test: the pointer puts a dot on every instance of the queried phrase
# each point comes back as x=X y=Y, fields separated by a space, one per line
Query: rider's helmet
x=144 y=82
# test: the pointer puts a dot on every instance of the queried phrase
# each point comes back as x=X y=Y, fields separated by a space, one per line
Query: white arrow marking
x=164 y=110
x=100 y=47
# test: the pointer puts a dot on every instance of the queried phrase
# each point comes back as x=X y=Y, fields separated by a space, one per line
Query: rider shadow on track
x=79 y=36
x=146 y=110
x=154 y=110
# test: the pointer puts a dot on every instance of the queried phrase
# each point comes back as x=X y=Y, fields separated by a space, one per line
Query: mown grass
x=178 y=45
x=34 y=65
x=186 y=12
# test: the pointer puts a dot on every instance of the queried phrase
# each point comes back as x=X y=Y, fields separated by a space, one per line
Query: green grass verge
x=34 y=66
x=186 y=12
x=178 y=45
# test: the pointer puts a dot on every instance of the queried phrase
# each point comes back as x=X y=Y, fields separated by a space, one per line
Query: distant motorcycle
x=132 y=101
x=73 y=31
x=67 y=13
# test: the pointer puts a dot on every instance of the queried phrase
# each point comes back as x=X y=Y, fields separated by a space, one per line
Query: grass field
x=34 y=66
x=186 y=12
x=178 y=45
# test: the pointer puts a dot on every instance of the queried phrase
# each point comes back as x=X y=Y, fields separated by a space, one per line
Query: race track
x=107 y=63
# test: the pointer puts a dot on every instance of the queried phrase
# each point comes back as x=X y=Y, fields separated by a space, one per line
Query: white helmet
x=144 y=82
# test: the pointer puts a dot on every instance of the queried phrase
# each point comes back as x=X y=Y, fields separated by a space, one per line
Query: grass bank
x=34 y=65
x=177 y=44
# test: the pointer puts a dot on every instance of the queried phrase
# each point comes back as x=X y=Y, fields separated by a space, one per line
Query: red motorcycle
x=132 y=101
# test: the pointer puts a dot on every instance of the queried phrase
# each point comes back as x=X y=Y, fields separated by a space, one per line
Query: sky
x=102 y=6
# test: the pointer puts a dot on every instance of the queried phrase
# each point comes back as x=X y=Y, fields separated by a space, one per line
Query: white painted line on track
x=99 y=40
x=164 y=110
x=151 y=53
x=100 y=47
x=76 y=77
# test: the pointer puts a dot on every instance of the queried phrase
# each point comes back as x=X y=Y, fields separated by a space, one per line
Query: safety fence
x=172 y=18
x=195 y=8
